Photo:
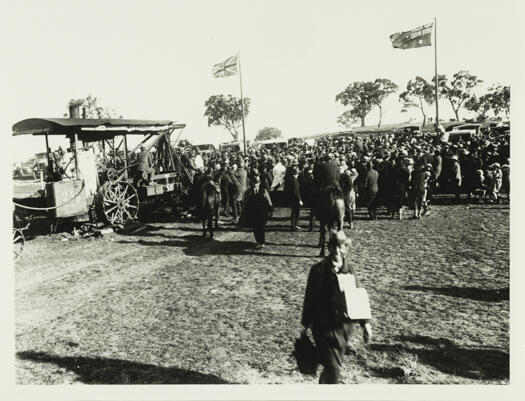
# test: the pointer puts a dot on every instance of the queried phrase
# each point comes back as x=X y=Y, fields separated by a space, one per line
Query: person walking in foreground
x=257 y=209
x=323 y=313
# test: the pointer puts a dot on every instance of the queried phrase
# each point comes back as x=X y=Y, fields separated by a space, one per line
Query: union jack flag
x=226 y=68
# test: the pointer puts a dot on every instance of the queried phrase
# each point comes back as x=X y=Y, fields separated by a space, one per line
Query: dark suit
x=371 y=189
x=239 y=180
x=257 y=208
x=323 y=314
x=295 y=199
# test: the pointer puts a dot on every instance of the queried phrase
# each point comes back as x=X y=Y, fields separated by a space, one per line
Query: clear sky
x=153 y=59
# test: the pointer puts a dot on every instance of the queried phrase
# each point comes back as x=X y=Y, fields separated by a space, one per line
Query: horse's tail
x=334 y=193
x=210 y=198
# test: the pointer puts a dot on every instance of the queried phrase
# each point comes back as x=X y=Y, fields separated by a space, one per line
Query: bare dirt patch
x=166 y=306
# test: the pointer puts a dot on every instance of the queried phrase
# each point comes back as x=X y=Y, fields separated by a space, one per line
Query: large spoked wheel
x=18 y=243
x=120 y=202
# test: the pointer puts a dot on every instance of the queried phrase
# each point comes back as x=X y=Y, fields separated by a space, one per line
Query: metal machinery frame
x=116 y=198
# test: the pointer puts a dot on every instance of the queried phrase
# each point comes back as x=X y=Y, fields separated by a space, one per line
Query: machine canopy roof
x=91 y=126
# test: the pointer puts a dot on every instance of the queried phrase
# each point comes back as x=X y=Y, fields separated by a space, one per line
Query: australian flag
x=418 y=37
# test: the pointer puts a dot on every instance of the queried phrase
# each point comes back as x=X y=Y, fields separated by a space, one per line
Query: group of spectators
x=391 y=170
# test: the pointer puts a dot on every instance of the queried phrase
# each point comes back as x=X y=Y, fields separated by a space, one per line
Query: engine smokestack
x=74 y=108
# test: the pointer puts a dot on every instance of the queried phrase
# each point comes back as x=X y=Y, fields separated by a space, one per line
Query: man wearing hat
x=144 y=167
x=258 y=206
x=239 y=180
x=371 y=189
x=419 y=187
x=456 y=178
x=346 y=182
x=324 y=315
x=294 y=195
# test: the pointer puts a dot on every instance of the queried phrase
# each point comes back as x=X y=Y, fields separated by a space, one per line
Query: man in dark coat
x=456 y=177
x=239 y=180
x=258 y=206
x=294 y=198
x=323 y=313
x=266 y=177
x=347 y=184
x=225 y=186
x=371 y=189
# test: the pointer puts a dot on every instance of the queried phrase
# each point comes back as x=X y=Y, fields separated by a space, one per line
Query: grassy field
x=166 y=306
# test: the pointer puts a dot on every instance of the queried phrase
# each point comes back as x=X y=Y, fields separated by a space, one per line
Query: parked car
x=205 y=148
x=272 y=144
x=236 y=146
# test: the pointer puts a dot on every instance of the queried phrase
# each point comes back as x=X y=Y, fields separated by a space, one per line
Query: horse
x=331 y=213
x=209 y=210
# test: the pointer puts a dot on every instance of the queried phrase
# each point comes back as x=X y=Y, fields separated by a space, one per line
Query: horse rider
x=326 y=173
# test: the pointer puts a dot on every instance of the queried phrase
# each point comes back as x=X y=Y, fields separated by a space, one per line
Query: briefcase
x=356 y=299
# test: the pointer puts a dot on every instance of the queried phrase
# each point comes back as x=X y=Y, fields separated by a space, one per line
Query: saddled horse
x=209 y=207
x=330 y=209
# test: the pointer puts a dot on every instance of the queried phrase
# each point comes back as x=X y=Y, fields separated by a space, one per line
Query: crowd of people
x=391 y=170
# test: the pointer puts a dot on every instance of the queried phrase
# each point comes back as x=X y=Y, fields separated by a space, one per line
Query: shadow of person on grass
x=477 y=294
x=447 y=357
x=115 y=371
x=196 y=245
x=231 y=228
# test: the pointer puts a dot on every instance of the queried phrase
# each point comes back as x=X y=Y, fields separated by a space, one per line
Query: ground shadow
x=227 y=227
x=196 y=245
x=477 y=294
x=115 y=371
x=443 y=355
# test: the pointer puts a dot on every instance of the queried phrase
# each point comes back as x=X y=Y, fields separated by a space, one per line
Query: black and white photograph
x=263 y=193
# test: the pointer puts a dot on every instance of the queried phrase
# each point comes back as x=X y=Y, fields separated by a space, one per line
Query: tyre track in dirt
x=39 y=302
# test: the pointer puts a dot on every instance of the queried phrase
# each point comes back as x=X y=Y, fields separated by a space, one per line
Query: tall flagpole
x=242 y=106
x=436 y=71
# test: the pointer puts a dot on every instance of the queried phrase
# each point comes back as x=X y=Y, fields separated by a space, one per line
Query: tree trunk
x=362 y=121
x=422 y=111
x=456 y=112
x=380 y=116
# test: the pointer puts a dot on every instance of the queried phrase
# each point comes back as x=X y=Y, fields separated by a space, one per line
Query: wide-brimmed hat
x=454 y=157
